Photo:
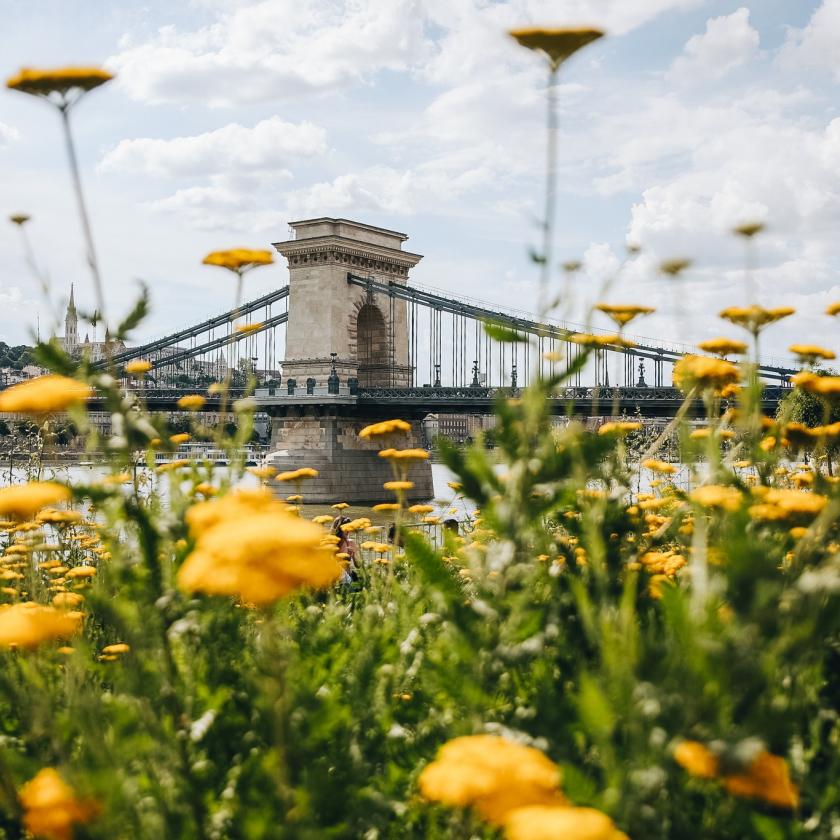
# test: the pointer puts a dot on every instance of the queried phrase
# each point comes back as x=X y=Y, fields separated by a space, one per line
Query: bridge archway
x=372 y=347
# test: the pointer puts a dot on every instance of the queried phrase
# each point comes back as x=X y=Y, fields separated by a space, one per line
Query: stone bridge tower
x=368 y=333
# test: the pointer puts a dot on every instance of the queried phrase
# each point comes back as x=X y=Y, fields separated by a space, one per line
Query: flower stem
x=550 y=189
x=80 y=198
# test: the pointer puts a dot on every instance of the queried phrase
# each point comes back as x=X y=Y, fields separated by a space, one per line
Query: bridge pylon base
x=349 y=467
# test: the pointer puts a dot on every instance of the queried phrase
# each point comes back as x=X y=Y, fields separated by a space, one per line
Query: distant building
x=69 y=342
x=458 y=428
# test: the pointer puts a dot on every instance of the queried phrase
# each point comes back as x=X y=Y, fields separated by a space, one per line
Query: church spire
x=71 y=324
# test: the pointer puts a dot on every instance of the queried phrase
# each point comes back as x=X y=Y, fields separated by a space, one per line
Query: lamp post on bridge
x=332 y=380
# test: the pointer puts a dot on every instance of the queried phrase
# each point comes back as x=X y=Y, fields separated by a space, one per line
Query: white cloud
x=233 y=149
x=274 y=49
x=728 y=42
x=815 y=44
x=8 y=134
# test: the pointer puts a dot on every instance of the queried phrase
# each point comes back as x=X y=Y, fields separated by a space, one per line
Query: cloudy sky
x=230 y=118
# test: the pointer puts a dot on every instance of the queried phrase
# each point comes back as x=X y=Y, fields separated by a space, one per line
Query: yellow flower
x=265 y=471
x=215 y=388
x=50 y=807
x=697 y=759
x=398 y=485
x=827 y=386
x=247 y=329
x=454 y=485
x=659 y=466
x=623 y=314
x=356 y=525
x=383 y=507
x=68 y=599
x=23 y=501
x=386 y=427
x=323 y=519
x=491 y=774
x=768 y=779
x=28 y=625
x=45 y=394
x=192 y=402
x=782 y=504
x=59 y=517
x=833 y=309
x=181 y=437
x=674 y=267
x=588 y=340
x=748 y=229
x=717 y=496
x=248 y=545
x=705 y=433
x=138 y=366
x=704 y=372
x=556 y=44
x=404 y=455
x=550 y=822
x=809 y=353
x=753 y=318
x=297 y=475
x=723 y=346
x=118 y=648
x=60 y=80
x=239 y=260
x=421 y=508
x=19 y=219
x=619 y=427
x=82 y=572
x=340 y=506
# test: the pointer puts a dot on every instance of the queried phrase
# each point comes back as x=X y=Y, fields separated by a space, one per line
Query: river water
x=447 y=503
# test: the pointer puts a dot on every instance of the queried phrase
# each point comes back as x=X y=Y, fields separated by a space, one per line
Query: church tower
x=71 y=324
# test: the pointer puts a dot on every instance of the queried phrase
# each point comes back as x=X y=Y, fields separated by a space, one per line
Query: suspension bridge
x=348 y=341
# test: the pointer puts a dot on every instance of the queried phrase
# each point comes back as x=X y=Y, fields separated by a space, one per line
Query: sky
x=229 y=118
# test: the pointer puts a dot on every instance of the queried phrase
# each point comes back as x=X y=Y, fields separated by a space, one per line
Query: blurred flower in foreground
x=623 y=314
x=766 y=777
x=50 y=807
x=723 y=346
x=749 y=229
x=385 y=427
x=549 y=822
x=675 y=267
x=492 y=775
x=28 y=625
x=239 y=260
x=557 y=44
x=23 y=501
x=60 y=83
x=753 y=318
x=63 y=87
x=45 y=394
x=811 y=353
x=192 y=402
x=248 y=545
x=704 y=372
x=138 y=366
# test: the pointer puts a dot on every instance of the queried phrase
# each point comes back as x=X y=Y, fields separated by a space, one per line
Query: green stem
x=150 y=546
x=550 y=189
x=83 y=214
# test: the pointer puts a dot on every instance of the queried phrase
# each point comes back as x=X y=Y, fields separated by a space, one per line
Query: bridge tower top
x=367 y=332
